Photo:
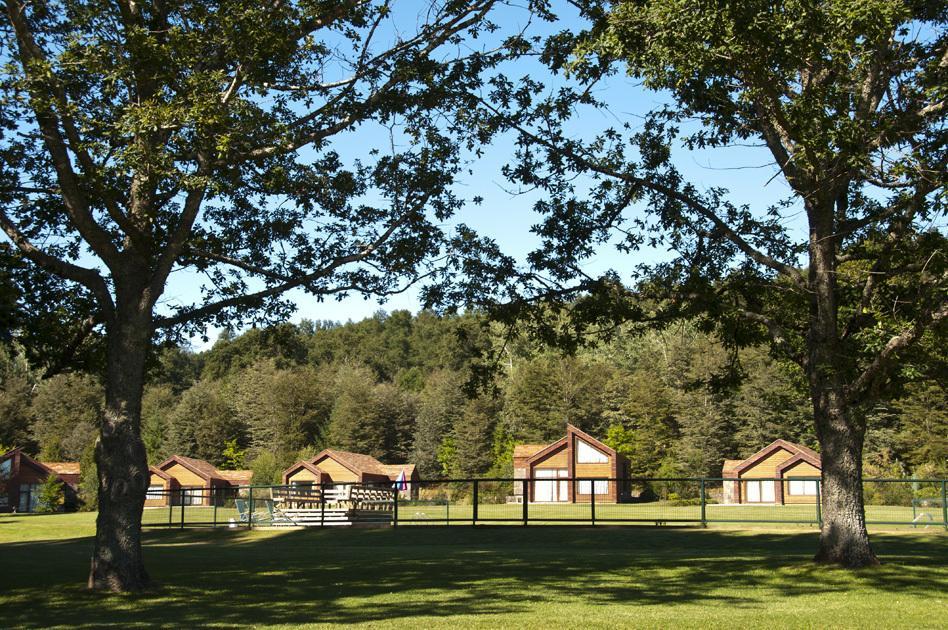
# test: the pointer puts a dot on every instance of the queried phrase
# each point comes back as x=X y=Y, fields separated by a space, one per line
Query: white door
x=767 y=491
x=545 y=490
x=753 y=492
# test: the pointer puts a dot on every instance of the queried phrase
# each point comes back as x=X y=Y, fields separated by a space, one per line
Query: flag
x=401 y=484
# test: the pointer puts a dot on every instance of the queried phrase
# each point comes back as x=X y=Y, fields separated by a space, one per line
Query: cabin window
x=760 y=491
x=586 y=454
x=802 y=487
x=29 y=497
x=192 y=496
x=5 y=467
x=155 y=493
x=602 y=487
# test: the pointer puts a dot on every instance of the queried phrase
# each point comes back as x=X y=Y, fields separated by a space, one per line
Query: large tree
x=848 y=98
x=141 y=139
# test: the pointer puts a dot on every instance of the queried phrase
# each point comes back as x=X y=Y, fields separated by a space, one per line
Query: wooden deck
x=346 y=505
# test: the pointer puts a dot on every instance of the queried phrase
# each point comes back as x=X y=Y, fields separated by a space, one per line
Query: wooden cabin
x=780 y=473
x=21 y=477
x=574 y=456
x=334 y=467
x=190 y=481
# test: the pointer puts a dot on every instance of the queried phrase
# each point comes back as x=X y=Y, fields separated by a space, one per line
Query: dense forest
x=453 y=394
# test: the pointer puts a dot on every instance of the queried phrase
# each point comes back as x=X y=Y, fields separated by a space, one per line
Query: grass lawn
x=461 y=577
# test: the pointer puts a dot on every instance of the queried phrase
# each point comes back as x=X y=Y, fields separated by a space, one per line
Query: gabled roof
x=794 y=449
x=393 y=470
x=199 y=467
x=549 y=449
x=157 y=471
x=560 y=443
x=19 y=458
x=570 y=429
x=527 y=450
x=63 y=468
x=302 y=464
x=237 y=477
x=800 y=457
x=356 y=462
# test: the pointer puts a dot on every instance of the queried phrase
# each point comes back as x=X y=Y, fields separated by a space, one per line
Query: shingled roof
x=237 y=477
x=528 y=450
x=63 y=468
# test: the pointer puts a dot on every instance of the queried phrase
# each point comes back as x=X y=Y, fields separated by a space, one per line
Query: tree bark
x=117 y=562
x=843 y=536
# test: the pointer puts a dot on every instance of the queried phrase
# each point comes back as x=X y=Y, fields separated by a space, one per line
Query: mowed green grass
x=427 y=512
x=459 y=577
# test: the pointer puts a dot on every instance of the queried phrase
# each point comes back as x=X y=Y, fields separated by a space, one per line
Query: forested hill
x=397 y=386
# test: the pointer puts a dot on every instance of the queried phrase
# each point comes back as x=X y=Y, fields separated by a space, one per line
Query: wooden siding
x=767 y=468
x=185 y=477
x=802 y=469
x=594 y=470
x=336 y=471
x=301 y=474
x=557 y=459
x=156 y=480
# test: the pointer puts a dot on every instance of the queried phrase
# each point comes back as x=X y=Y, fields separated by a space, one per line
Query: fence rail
x=794 y=501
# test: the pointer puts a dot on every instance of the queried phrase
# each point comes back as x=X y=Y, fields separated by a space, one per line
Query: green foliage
x=660 y=394
x=201 y=423
x=268 y=468
x=17 y=380
x=234 y=456
x=66 y=411
x=50 y=495
x=88 y=480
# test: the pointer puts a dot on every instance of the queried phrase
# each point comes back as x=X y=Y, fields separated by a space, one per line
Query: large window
x=29 y=497
x=155 y=493
x=586 y=454
x=551 y=485
x=802 y=487
x=5 y=468
x=192 y=496
x=759 y=491
x=602 y=487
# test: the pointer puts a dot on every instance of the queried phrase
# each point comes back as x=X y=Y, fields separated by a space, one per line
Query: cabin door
x=551 y=485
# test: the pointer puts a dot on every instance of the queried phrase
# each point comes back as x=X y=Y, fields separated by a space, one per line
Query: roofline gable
x=548 y=450
x=19 y=457
x=328 y=452
x=197 y=471
x=765 y=452
x=302 y=464
x=572 y=430
x=797 y=459
x=157 y=471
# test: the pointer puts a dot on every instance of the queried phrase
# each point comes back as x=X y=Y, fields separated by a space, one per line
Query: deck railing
x=795 y=502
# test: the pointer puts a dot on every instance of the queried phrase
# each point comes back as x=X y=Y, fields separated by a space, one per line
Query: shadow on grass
x=346 y=576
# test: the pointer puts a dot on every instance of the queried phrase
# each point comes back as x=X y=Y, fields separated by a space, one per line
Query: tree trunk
x=843 y=536
x=117 y=563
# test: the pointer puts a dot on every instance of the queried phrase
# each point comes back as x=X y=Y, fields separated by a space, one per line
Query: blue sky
x=747 y=172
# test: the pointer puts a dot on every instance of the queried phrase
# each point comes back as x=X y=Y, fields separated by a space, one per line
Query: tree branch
x=878 y=370
x=75 y=202
x=88 y=278
x=792 y=272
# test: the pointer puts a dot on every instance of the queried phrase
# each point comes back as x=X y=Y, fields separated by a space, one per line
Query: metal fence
x=915 y=503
